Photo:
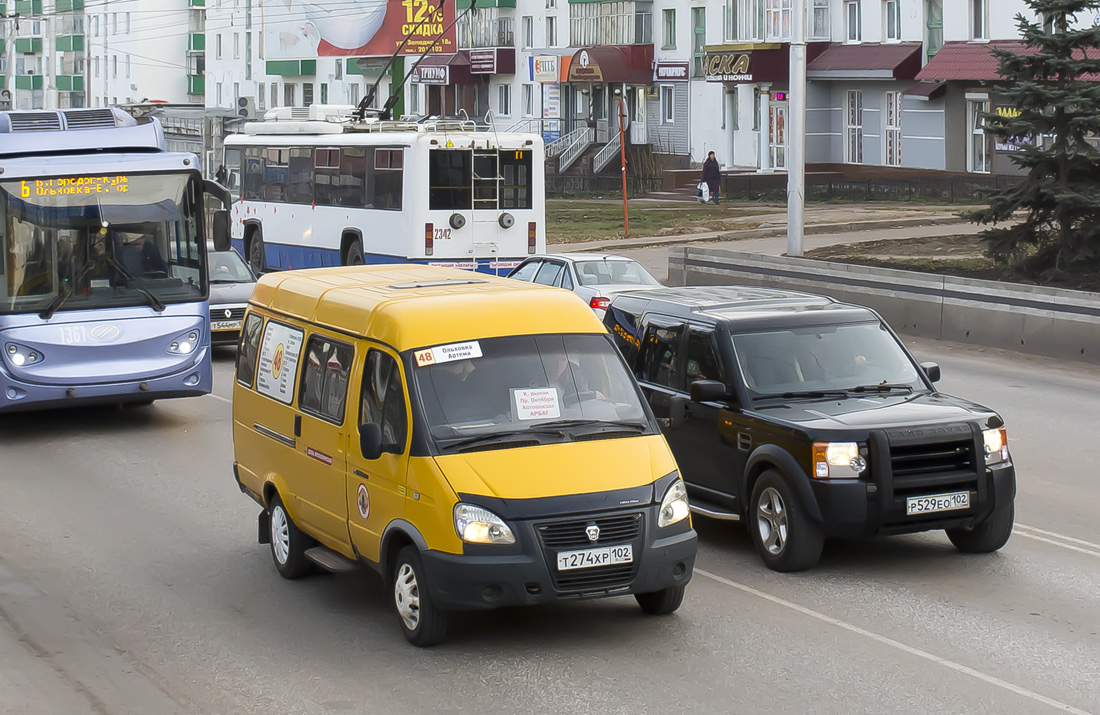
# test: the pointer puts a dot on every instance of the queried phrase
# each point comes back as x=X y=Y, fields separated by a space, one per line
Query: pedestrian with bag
x=711 y=175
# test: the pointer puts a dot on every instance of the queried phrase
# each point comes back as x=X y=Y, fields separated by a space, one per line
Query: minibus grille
x=572 y=534
x=614 y=530
x=600 y=578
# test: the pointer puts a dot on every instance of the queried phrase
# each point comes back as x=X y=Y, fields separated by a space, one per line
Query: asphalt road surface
x=131 y=582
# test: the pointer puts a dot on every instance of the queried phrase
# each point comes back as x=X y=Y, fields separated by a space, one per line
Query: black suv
x=809 y=419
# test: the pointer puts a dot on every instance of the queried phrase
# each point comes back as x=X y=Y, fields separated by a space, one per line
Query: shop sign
x=483 y=61
x=544 y=68
x=1009 y=145
x=585 y=69
x=671 y=72
x=431 y=74
x=551 y=102
x=727 y=67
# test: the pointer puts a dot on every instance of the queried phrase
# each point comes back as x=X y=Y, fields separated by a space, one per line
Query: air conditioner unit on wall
x=246 y=107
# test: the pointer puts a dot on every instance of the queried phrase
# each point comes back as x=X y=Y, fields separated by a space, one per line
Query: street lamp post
x=622 y=157
x=796 y=148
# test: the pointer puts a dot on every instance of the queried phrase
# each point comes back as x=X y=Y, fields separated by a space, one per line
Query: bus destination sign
x=75 y=186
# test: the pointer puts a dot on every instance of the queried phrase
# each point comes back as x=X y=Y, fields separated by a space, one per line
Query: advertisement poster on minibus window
x=305 y=29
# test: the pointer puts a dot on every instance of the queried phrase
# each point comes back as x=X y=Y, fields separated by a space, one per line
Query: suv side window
x=661 y=355
x=527 y=271
x=324 y=390
x=702 y=362
x=548 y=274
x=383 y=400
x=248 y=349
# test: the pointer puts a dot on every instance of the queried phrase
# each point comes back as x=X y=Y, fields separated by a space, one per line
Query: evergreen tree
x=1055 y=86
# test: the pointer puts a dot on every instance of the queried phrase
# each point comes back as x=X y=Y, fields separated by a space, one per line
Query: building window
x=854 y=136
x=745 y=20
x=236 y=92
x=248 y=55
x=504 y=100
x=756 y=100
x=668 y=29
x=236 y=45
x=353 y=94
x=307 y=94
x=551 y=31
x=893 y=129
x=114 y=66
x=978 y=142
x=274 y=94
x=126 y=19
x=95 y=65
x=819 y=26
x=288 y=94
x=853 y=18
x=551 y=4
x=893 y=20
x=979 y=19
x=528 y=100
x=218 y=47
x=261 y=98
x=324 y=93
x=339 y=68
x=127 y=66
x=777 y=20
x=699 y=37
x=528 y=32
x=933 y=40
x=218 y=93
x=668 y=104
x=114 y=23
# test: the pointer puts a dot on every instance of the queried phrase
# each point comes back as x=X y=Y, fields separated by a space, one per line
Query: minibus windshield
x=536 y=384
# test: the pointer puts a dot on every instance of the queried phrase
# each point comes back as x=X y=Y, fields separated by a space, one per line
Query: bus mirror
x=218 y=191
x=220 y=230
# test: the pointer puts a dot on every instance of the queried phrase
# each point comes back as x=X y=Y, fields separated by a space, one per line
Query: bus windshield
x=83 y=242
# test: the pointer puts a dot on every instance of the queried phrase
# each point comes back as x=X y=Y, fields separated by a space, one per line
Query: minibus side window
x=324 y=389
x=249 y=349
x=383 y=401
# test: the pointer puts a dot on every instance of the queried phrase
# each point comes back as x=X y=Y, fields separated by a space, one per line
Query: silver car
x=231 y=284
x=595 y=277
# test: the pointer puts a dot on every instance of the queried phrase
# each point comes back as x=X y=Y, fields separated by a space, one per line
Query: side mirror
x=708 y=391
x=677 y=411
x=220 y=229
x=370 y=440
x=932 y=370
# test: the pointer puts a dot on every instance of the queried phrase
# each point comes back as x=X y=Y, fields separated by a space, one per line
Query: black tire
x=354 y=256
x=422 y=623
x=288 y=543
x=988 y=536
x=785 y=537
x=257 y=260
x=661 y=603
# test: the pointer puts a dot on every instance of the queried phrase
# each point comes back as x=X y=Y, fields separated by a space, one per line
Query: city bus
x=103 y=276
x=314 y=188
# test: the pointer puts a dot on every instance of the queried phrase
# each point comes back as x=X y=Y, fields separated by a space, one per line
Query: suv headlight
x=838 y=460
x=674 y=507
x=476 y=525
x=996 y=446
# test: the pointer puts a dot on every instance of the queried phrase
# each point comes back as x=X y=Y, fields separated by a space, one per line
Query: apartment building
x=42 y=54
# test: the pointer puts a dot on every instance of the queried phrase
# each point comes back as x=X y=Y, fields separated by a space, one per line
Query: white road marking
x=1066 y=542
x=219 y=397
x=897 y=645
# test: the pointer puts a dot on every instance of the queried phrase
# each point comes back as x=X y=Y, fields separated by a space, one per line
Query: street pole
x=622 y=156
x=796 y=137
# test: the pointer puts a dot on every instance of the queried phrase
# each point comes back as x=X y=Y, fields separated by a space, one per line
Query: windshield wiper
x=515 y=435
x=638 y=426
x=154 y=301
x=882 y=387
x=55 y=304
x=804 y=393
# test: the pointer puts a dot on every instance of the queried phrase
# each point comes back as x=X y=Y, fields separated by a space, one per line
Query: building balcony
x=28 y=8
x=486 y=32
x=70 y=43
x=196 y=42
x=28 y=45
x=69 y=83
x=292 y=68
x=69 y=5
x=196 y=84
x=28 y=81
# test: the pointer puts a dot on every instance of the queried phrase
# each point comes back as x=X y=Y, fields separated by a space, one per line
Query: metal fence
x=563 y=185
x=947 y=189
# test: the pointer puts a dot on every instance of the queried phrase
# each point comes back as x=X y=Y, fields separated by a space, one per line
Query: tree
x=1054 y=86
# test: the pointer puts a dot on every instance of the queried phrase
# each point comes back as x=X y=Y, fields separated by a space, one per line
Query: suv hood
x=874 y=411
x=559 y=469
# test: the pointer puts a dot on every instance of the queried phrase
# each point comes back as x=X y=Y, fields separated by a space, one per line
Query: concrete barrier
x=1042 y=321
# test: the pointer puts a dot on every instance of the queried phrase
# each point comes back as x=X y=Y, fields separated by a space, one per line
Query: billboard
x=304 y=29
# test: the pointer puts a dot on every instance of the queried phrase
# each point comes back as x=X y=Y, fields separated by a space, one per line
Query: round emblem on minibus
x=362 y=498
x=105 y=333
x=592 y=532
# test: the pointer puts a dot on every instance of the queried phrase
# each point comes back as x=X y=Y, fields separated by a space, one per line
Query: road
x=131 y=582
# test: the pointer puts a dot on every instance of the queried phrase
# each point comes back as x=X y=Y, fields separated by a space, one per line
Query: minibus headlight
x=476 y=525
x=674 y=507
x=996 y=446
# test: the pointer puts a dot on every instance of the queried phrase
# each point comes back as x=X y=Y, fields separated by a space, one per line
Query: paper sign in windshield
x=278 y=363
x=448 y=353
x=539 y=404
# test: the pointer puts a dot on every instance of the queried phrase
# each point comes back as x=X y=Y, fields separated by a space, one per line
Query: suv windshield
x=824 y=358
x=228 y=267
x=526 y=384
x=80 y=242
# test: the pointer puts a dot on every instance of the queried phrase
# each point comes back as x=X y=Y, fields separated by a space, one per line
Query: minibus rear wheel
x=423 y=624
x=661 y=603
x=288 y=543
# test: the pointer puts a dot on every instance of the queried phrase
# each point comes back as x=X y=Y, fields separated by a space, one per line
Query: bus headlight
x=674 y=507
x=185 y=344
x=476 y=525
x=21 y=355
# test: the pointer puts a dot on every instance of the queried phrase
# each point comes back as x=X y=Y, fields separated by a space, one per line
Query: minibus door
x=378 y=464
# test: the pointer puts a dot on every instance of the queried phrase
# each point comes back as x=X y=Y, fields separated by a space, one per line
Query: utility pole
x=796 y=137
x=622 y=156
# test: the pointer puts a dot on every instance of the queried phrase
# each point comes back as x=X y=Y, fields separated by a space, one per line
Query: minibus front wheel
x=661 y=603
x=423 y=624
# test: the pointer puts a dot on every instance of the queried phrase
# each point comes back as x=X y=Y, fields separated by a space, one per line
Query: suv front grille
x=614 y=530
x=927 y=459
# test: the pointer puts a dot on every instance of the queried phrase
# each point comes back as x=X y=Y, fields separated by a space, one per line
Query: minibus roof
x=408 y=306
